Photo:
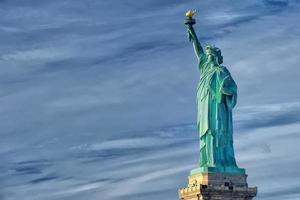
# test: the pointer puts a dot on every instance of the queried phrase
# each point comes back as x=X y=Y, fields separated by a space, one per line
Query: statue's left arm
x=229 y=89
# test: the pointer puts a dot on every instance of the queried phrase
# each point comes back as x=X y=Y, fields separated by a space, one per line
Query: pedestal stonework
x=217 y=186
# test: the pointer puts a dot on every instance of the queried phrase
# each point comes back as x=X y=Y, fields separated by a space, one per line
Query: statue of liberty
x=216 y=97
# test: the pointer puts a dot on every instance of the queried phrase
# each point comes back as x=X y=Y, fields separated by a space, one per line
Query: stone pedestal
x=217 y=186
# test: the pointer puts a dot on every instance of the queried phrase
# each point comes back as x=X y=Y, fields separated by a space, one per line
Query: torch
x=189 y=20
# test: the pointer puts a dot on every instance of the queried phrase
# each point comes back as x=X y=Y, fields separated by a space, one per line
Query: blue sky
x=98 y=97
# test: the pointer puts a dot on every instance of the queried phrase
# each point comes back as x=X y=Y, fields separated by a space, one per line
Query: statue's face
x=208 y=51
x=214 y=54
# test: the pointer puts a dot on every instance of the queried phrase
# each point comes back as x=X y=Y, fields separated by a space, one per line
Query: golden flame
x=190 y=13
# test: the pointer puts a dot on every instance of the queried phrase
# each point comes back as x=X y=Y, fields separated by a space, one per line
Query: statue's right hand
x=190 y=35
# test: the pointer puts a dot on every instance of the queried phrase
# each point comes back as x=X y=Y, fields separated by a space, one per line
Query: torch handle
x=189 y=21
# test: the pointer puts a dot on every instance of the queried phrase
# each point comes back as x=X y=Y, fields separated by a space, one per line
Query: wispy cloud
x=85 y=88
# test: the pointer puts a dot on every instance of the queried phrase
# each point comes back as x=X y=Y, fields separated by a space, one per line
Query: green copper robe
x=216 y=97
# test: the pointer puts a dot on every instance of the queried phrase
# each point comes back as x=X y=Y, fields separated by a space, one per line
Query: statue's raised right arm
x=194 y=39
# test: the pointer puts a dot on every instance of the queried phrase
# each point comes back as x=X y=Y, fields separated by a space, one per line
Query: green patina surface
x=216 y=97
